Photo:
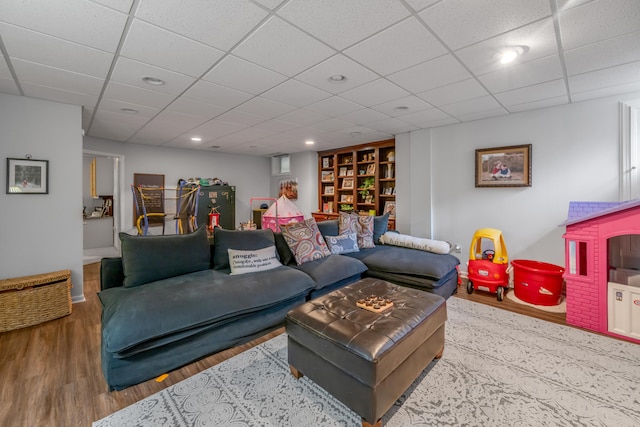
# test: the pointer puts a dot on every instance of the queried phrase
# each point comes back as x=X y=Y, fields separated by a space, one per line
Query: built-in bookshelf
x=359 y=178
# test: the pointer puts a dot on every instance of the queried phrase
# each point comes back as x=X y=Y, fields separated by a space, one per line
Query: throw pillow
x=380 y=225
x=344 y=244
x=243 y=262
x=361 y=225
x=149 y=258
x=246 y=240
x=305 y=241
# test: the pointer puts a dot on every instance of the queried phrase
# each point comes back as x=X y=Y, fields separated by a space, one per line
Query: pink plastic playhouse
x=602 y=274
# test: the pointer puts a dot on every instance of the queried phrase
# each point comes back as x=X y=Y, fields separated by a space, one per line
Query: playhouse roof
x=584 y=211
x=283 y=208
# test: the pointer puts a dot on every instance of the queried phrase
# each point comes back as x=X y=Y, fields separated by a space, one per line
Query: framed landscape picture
x=347 y=183
x=503 y=166
x=27 y=176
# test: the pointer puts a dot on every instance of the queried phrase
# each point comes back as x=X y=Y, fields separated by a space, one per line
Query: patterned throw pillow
x=305 y=241
x=343 y=244
x=361 y=225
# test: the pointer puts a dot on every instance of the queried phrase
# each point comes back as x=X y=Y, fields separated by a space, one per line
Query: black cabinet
x=223 y=199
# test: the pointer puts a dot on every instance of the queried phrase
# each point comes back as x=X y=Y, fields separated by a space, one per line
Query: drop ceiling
x=254 y=76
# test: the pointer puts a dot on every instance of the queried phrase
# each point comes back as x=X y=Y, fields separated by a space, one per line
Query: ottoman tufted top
x=336 y=318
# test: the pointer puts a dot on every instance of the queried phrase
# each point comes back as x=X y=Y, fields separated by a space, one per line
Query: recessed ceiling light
x=309 y=142
x=215 y=147
x=337 y=78
x=401 y=108
x=153 y=81
x=129 y=110
x=510 y=53
x=196 y=139
x=355 y=133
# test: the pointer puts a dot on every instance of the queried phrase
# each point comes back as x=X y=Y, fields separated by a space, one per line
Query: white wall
x=247 y=173
x=575 y=156
x=304 y=168
x=40 y=233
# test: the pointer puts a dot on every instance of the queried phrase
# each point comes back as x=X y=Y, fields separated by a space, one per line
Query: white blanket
x=396 y=239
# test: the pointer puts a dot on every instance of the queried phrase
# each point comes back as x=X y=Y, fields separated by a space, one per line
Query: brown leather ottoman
x=364 y=359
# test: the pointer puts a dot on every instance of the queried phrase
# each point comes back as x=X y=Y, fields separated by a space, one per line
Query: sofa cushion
x=380 y=226
x=146 y=259
x=328 y=227
x=305 y=241
x=248 y=240
x=284 y=252
x=332 y=269
x=243 y=262
x=406 y=261
x=360 y=224
x=343 y=244
x=196 y=301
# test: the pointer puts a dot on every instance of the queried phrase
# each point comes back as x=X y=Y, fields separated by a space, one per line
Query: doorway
x=102 y=205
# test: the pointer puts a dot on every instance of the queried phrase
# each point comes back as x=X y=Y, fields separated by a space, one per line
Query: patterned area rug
x=499 y=369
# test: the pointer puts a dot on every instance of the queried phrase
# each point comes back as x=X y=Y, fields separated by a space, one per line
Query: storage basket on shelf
x=30 y=300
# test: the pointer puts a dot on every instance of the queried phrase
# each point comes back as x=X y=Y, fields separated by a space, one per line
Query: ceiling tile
x=340 y=23
x=211 y=130
x=42 y=75
x=216 y=95
x=460 y=23
x=381 y=54
x=606 y=91
x=455 y=92
x=123 y=125
x=302 y=117
x=281 y=47
x=218 y=23
x=8 y=86
x=482 y=114
x=418 y=5
x=628 y=73
x=470 y=106
x=426 y=117
x=521 y=75
x=395 y=108
x=137 y=95
x=616 y=51
x=532 y=93
x=116 y=106
x=161 y=48
x=441 y=71
x=123 y=6
x=298 y=94
x=374 y=93
x=55 y=52
x=542 y=103
x=334 y=106
x=276 y=126
x=82 y=22
x=265 y=107
x=598 y=20
x=365 y=115
x=131 y=72
x=241 y=118
x=59 y=95
x=539 y=38
x=271 y=4
x=355 y=74
x=168 y=125
x=333 y=124
x=239 y=74
x=195 y=108
x=390 y=125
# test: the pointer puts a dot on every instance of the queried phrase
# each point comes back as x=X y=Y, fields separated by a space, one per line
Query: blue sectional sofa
x=170 y=300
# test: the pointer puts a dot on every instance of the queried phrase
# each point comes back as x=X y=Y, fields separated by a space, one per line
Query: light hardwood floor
x=50 y=374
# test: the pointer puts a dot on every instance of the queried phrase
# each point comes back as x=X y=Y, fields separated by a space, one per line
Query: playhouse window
x=578 y=258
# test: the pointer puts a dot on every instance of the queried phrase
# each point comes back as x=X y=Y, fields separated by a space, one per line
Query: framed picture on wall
x=27 y=176
x=504 y=166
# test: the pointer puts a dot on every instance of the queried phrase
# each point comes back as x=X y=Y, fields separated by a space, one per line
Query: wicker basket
x=30 y=300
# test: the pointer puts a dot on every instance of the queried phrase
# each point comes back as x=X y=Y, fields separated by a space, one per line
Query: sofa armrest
x=111 y=273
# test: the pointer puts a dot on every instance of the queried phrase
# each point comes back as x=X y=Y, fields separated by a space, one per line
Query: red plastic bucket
x=536 y=282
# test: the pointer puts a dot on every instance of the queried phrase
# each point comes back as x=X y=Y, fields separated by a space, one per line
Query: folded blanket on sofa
x=396 y=239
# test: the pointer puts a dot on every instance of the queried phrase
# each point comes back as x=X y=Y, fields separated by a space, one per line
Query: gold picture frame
x=508 y=166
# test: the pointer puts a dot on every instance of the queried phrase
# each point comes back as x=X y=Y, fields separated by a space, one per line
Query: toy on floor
x=488 y=263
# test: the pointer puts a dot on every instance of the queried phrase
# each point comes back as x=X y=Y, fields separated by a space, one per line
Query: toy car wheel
x=500 y=293
x=469 y=287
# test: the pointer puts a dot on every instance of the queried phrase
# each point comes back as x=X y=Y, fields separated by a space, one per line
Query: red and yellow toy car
x=488 y=263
